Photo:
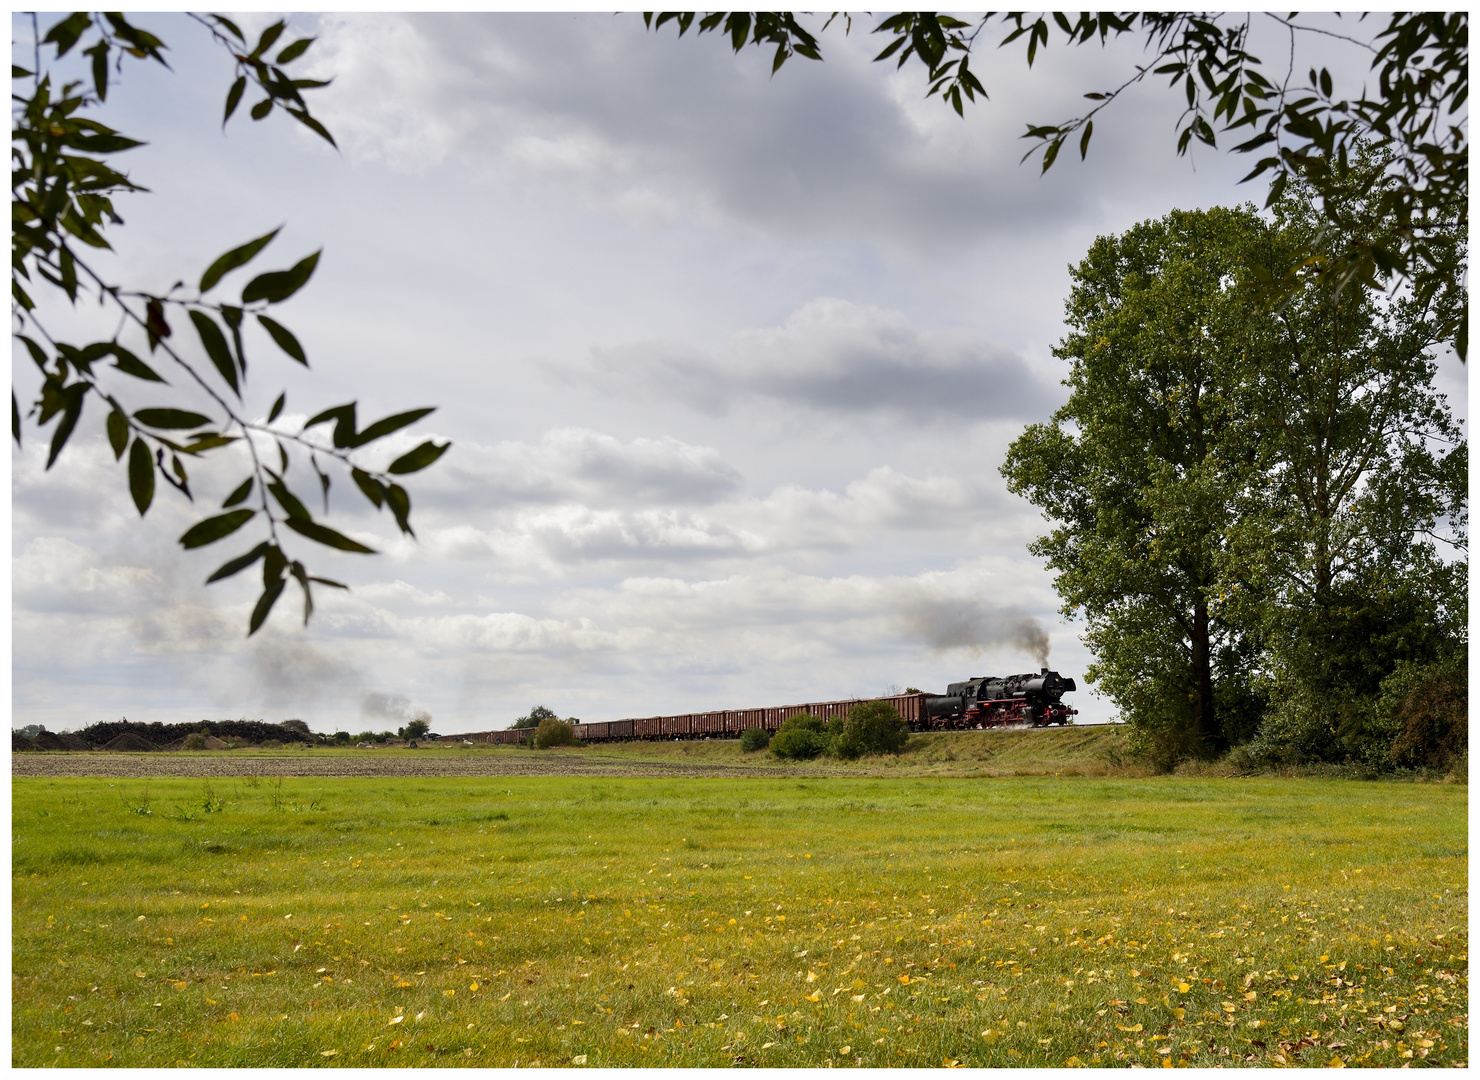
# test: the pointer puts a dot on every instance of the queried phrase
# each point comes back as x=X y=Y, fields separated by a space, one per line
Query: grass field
x=791 y=921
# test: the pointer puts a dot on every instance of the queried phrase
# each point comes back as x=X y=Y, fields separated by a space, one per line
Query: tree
x=1421 y=64
x=1359 y=539
x=414 y=729
x=535 y=717
x=63 y=187
x=1141 y=468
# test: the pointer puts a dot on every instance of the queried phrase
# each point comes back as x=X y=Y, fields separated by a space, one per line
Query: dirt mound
x=129 y=743
x=19 y=742
x=51 y=740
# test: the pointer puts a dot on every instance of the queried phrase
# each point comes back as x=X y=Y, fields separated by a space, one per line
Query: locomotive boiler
x=989 y=701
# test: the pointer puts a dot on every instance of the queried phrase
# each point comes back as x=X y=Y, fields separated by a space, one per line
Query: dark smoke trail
x=945 y=624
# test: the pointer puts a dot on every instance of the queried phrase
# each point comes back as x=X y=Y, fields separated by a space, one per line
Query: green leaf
x=269 y=597
x=418 y=459
x=382 y=428
x=400 y=504
x=288 y=501
x=259 y=110
x=215 y=346
x=344 y=424
x=240 y=563
x=15 y=419
x=141 y=476
x=302 y=576
x=117 y=433
x=130 y=364
x=214 y=528
x=284 y=338
x=75 y=395
x=239 y=495
x=277 y=407
x=170 y=418
x=234 y=97
x=65 y=33
x=294 y=51
x=326 y=536
x=278 y=285
x=373 y=489
x=330 y=582
x=234 y=258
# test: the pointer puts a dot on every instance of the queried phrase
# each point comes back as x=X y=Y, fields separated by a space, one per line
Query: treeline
x=1259 y=511
x=253 y=731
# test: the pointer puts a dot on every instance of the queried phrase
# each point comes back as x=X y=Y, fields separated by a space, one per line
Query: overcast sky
x=729 y=363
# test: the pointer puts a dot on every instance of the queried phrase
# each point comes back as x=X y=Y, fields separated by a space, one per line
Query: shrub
x=800 y=738
x=194 y=741
x=553 y=732
x=875 y=727
x=753 y=739
x=1429 y=705
x=341 y=737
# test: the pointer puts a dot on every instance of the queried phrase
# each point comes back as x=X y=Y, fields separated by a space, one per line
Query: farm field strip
x=783 y=922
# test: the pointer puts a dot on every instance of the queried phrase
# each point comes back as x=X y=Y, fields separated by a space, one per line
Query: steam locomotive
x=987 y=701
x=982 y=702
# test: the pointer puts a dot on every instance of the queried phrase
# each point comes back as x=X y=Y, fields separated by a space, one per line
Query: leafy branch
x=62 y=192
x=1421 y=60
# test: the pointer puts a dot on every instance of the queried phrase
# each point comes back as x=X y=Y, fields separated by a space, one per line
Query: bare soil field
x=368 y=763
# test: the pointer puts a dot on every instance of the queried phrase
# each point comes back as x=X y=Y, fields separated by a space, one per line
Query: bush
x=194 y=741
x=553 y=732
x=875 y=727
x=1429 y=705
x=341 y=737
x=800 y=738
x=415 y=729
x=753 y=739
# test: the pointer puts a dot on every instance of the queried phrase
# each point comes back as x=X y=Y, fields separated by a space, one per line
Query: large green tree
x=1143 y=466
x=1257 y=511
x=1357 y=534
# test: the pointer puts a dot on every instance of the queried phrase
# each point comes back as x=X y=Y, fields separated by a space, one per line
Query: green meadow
x=1013 y=921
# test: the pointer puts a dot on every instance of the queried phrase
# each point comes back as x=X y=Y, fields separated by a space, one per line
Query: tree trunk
x=1202 y=680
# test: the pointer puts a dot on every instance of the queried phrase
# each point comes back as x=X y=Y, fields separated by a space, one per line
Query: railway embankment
x=1066 y=751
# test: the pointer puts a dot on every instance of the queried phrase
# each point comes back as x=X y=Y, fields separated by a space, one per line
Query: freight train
x=1035 y=700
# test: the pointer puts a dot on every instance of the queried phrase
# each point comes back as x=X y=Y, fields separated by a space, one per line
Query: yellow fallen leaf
x=858 y=997
x=448 y=993
x=1336 y=1063
x=1252 y=995
x=579 y=1059
x=905 y=978
x=950 y=1063
x=140 y=975
x=181 y=985
x=1182 y=987
x=811 y=976
x=845 y=1050
x=403 y=983
x=815 y=996
x=395 y=1019
x=327 y=1053
x=233 y=1016
x=473 y=987
x=1133 y=1027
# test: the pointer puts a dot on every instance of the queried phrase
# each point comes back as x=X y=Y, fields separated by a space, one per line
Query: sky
x=728 y=362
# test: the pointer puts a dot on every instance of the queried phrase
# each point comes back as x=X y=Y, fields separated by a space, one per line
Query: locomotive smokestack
x=1043 y=671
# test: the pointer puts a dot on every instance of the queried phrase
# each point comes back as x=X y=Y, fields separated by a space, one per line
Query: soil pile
x=51 y=740
x=19 y=742
x=129 y=743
